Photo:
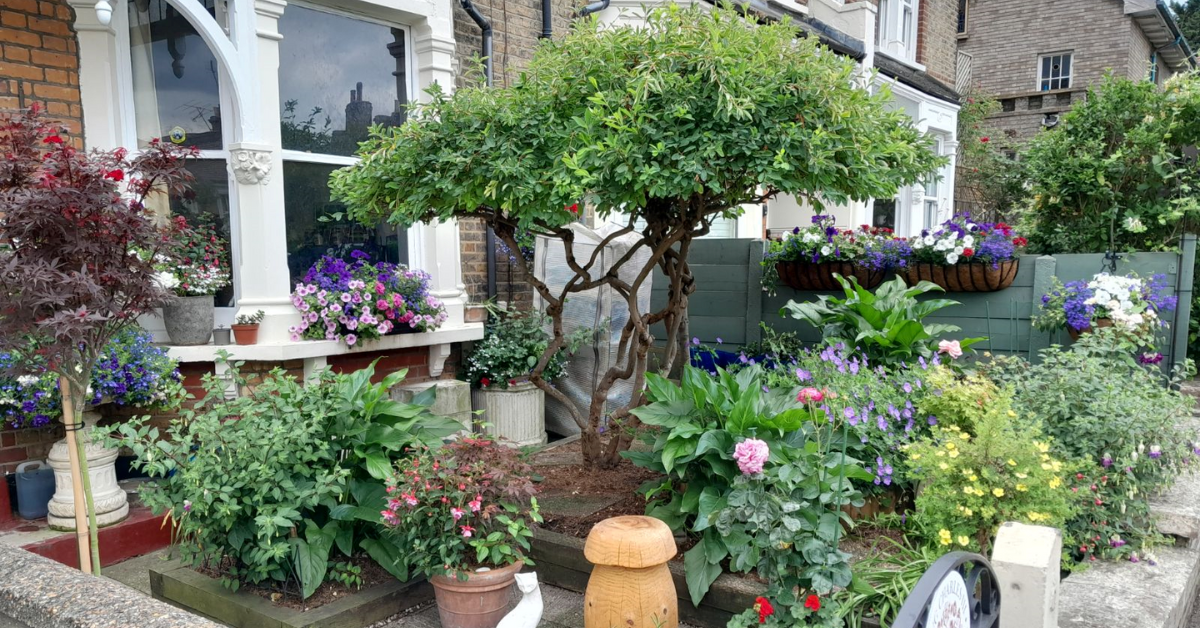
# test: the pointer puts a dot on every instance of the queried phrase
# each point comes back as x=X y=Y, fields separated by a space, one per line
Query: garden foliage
x=268 y=497
x=886 y=325
x=655 y=126
x=511 y=347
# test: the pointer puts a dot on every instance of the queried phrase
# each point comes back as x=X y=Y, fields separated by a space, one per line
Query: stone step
x=1132 y=595
x=1178 y=509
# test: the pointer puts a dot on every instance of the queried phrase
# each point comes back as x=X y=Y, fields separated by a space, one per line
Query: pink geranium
x=751 y=454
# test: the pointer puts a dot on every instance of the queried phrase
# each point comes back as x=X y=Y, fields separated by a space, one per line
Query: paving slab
x=575 y=505
x=1132 y=595
x=135 y=572
x=1178 y=509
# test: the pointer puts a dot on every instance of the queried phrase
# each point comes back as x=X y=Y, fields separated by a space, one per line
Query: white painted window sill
x=310 y=349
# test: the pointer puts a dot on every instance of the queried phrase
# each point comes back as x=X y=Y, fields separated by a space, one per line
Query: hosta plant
x=886 y=325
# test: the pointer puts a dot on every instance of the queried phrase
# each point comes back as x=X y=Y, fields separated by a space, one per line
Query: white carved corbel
x=250 y=166
x=437 y=358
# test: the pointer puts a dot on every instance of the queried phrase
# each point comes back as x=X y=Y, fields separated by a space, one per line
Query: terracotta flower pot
x=803 y=275
x=1100 y=322
x=964 y=277
x=480 y=601
x=245 y=334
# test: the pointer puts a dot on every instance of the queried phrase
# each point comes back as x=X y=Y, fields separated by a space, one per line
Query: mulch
x=580 y=480
x=371 y=573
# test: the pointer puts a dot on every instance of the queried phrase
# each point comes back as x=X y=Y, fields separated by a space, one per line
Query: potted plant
x=512 y=408
x=1128 y=302
x=808 y=259
x=245 y=327
x=362 y=300
x=194 y=269
x=964 y=256
x=463 y=514
x=221 y=336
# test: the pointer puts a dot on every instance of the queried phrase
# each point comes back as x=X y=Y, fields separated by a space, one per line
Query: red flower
x=813 y=603
x=53 y=139
x=764 y=608
x=115 y=175
x=968 y=252
x=573 y=208
x=485 y=382
x=1020 y=241
x=985 y=139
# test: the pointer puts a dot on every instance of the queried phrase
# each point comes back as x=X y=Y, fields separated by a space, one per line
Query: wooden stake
x=81 y=525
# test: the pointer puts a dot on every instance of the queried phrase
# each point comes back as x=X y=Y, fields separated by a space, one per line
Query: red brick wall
x=40 y=62
x=17 y=446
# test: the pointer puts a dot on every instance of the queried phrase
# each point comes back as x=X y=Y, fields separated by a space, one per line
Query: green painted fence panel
x=729 y=302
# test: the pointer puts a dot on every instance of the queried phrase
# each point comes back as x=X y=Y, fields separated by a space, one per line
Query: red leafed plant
x=77 y=246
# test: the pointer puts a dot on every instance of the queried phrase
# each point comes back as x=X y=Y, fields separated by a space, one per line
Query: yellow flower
x=969 y=490
x=1012 y=463
x=963 y=540
x=1022 y=488
x=1047 y=466
x=954 y=454
x=967 y=512
x=1043 y=447
x=998 y=492
x=1056 y=465
x=944 y=536
x=965 y=436
x=954 y=428
x=1037 y=516
x=1022 y=475
x=941 y=453
x=973 y=478
x=967 y=473
x=1055 y=482
x=951 y=446
x=1011 y=413
x=915 y=457
x=943 y=466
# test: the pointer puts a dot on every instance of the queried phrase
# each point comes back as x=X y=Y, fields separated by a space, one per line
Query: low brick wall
x=44 y=594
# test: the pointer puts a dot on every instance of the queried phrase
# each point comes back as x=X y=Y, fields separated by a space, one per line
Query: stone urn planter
x=964 y=277
x=479 y=601
x=1099 y=322
x=111 y=502
x=516 y=414
x=802 y=275
x=189 y=320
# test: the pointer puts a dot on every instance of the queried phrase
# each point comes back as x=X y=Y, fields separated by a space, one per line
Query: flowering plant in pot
x=965 y=256
x=195 y=267
x=1130 y=303
x=807 y=258
x=462 y=513
x=245 y=327
x=360 y=300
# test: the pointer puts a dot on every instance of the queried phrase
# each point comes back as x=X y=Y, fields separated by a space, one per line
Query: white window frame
x=1068 y=76
x=411 y=90
x=897 y=39
x=224 y=316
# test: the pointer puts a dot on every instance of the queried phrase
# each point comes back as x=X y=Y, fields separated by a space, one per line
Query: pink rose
x=810 y=395
x=951 y=348
x=751 y=454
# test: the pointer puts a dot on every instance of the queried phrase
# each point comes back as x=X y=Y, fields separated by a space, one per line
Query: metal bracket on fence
x=960 y=589
x=1110 y=261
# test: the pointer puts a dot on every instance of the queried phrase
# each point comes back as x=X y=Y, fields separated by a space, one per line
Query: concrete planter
x=189 y=320
x=517 y=414
x=189 y=589
x=110 y=500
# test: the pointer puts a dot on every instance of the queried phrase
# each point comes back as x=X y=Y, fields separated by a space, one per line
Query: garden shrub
x=262 y=487
x=885 y=325
x=701 y=431
x=972 y=484
x=1122 y=422
x=961 y=400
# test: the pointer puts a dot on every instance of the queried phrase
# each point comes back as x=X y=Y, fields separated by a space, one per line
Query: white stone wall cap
x=279 y=352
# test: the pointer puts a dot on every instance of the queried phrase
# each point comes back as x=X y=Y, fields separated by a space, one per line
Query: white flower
x=918 y=244
x=1134 y=224
x=27 y=380
x=968 y=240
x=166 y=280
x=958 y=250
x=928 y=240
x=826 y=250
x=952 y=258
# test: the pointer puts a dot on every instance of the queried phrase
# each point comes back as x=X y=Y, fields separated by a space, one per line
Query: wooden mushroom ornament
x=630 y=586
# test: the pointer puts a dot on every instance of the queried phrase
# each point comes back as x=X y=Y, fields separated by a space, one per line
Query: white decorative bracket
x=221 y=370
x=437 y=358
x=250 y=166
x=312 y=366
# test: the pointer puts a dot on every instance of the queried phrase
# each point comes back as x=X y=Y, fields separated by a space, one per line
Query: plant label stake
x=81 y=523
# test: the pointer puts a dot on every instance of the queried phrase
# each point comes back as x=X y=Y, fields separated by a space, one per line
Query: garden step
x=1132 y=595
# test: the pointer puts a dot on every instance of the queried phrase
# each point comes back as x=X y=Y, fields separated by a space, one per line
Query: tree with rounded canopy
x=664 y=127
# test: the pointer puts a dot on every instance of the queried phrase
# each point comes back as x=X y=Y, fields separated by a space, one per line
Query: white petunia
x=826 y=250
x=968 y=240
x=952 y=258
x=929 y=240
x=27 y=380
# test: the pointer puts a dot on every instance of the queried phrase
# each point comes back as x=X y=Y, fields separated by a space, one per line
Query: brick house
x=1020 y=52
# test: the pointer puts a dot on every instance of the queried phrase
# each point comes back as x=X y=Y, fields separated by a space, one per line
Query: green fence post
x=1043 y=276
x=1183 y=310
x=754 y=291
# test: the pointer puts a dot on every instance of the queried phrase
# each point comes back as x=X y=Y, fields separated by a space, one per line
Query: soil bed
x=577 y=480
x=371 y=573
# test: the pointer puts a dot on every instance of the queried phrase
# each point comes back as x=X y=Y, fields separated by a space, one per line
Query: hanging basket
x=964 y=277
x=809 y=276
x=1100 y=322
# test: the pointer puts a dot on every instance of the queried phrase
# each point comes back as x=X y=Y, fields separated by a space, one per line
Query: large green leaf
x=387 y=555
x=699 y=573
x=709 y=505
x=310 y=559
x=661 y=388
x=667 y=414
x=378 y=465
